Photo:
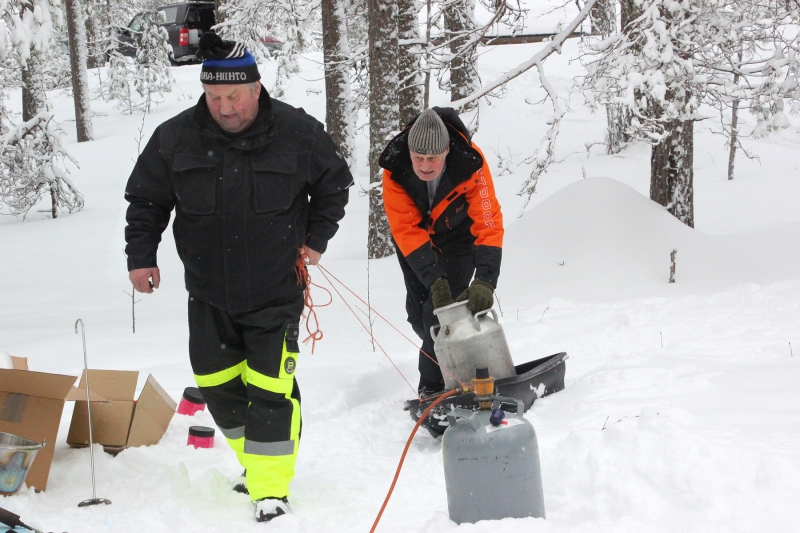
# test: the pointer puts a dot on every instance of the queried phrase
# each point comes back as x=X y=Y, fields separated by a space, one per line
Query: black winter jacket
x=244 y=205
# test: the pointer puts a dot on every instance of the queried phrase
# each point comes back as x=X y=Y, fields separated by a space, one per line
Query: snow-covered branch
x=538 y=58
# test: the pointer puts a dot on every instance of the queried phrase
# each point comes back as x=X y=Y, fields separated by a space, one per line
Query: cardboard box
x=31 y=404
x=118 y=421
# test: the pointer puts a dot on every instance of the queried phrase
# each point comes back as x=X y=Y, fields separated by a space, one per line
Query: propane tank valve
x=483 y=385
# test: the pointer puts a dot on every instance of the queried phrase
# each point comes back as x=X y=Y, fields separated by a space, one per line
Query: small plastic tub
x=201 y=437
x=191 y=402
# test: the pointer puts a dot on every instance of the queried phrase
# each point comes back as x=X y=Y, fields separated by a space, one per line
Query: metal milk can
x=491 y=465
x=463 y=342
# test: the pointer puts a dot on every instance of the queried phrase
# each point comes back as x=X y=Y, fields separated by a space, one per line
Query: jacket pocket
x=274 y=183
x=196 y=183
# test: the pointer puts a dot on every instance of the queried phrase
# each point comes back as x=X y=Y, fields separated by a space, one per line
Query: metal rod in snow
x=95 y=500
x=549 y=48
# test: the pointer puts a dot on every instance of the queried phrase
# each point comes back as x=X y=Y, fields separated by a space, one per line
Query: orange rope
x=326 y=271
x=422 y=417
x=304 y=278
x=367 y=330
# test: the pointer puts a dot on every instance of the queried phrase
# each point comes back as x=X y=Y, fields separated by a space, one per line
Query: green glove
x=440 y=293
x=480 y=295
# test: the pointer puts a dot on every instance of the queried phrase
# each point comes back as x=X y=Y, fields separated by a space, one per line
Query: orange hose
x=422 y=417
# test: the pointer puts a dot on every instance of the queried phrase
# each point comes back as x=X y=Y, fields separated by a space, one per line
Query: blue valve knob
x=497 y=417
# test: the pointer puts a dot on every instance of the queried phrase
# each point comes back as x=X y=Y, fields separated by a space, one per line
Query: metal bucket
x=16 y=458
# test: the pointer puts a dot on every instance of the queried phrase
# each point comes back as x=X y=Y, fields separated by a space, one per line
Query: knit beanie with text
x=225 y=62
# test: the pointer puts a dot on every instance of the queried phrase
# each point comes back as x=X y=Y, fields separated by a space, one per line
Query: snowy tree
x=340 y=117
x=32 y=26
x=675 y=56
x=117 y=85
x=78 y=54
x=411 y=78
x=153 y=68
x=459 y=24
x=383 y=113
x=32 y=163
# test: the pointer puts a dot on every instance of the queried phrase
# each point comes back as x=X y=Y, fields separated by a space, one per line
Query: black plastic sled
x=535 y=379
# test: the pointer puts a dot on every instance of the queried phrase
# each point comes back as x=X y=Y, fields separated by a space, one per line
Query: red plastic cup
x=191 y=402
x=201 y=437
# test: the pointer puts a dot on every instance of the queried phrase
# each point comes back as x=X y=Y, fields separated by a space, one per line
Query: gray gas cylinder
x=491 y=472
x=463 y=341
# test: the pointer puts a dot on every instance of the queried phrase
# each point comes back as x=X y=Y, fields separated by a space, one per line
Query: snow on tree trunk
x=80 y=79
x=672 y=171
x=604 y=17
x=32 y=161
x=34 y=97
x=95 y=36
x=734 y=137
x=383 y=112
x=618 y=117
x=459 y=19
x=618 y=120
x=411 y=80
x=339 y=109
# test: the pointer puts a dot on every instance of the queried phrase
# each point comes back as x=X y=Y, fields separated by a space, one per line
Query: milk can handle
x=433 y=335
x=500 y=400
x=483 y=313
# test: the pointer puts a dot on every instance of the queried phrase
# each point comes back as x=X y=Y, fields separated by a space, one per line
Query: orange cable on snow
x=444 y=370
x=304 y=278
x=422 y=417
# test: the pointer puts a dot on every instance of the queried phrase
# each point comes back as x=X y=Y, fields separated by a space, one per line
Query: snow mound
x=599 y=240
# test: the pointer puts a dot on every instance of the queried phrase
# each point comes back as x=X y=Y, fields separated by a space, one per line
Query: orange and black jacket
x=465 y=218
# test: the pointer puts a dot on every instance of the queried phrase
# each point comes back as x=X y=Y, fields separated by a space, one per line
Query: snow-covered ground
x=682 y=405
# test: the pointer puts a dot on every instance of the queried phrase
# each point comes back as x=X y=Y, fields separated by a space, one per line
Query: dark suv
x=185 y=23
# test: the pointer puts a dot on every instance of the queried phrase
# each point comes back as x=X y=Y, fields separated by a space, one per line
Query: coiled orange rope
x=304 y=278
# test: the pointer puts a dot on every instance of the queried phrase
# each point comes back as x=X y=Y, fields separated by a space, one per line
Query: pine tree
x=411 y=79
x=339 y=108
x=383 y=114
x=153 y=68
x=78 y=54
x=675 y=56
x=32 y=165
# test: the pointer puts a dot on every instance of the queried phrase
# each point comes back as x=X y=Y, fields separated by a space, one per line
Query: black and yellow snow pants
x=244 y=364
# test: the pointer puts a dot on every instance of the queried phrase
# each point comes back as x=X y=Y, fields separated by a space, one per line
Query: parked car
x=185 y=23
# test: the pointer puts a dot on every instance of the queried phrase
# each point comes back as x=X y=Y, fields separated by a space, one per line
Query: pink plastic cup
x=191 y=402
x=201 y=437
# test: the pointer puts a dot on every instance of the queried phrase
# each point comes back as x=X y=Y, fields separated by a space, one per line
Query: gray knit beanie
x=428 y=135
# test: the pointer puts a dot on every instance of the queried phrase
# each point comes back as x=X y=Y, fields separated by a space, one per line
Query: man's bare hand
x=312 y=256
x=145 y=279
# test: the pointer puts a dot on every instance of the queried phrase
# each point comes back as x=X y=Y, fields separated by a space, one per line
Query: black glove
x=480 y=295
x=440 y=293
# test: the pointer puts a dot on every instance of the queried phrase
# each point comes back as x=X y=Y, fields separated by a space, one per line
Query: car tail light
x=183 y=37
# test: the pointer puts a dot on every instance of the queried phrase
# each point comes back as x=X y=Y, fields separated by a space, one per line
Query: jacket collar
x=256 y=135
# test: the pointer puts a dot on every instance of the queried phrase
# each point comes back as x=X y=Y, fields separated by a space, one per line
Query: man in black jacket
x=255 y=184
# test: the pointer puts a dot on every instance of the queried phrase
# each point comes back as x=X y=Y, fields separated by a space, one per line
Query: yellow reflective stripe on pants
x=222 y=377
x=270 y=465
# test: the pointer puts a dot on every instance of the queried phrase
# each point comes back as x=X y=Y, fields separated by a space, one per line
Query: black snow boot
x=240 y=484
x=427 y=388
x=269 y=508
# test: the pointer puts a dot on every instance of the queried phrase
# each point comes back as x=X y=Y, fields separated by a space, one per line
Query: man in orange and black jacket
x=445 y=221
